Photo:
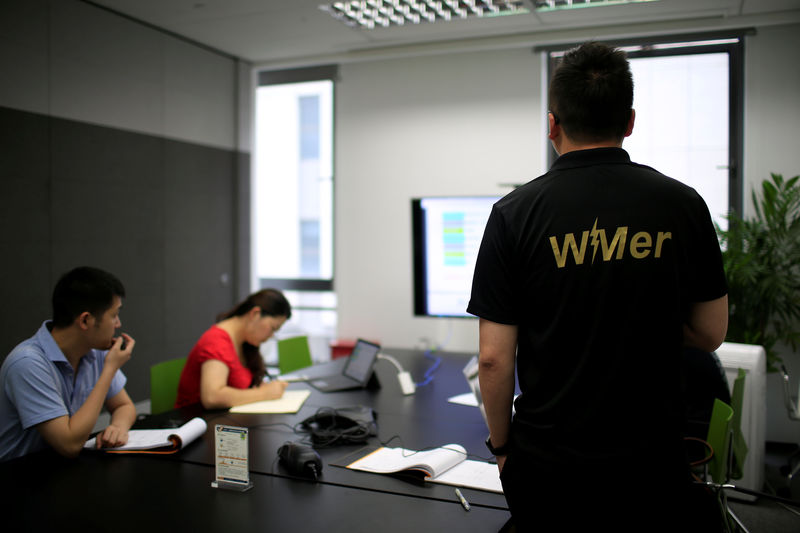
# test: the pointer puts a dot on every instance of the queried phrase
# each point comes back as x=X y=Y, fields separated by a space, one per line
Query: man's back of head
x=591 y=93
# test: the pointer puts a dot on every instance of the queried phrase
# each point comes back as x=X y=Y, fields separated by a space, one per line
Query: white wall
x=449 y=124
x=772 y=105
x=772 y=144
x=461 y=123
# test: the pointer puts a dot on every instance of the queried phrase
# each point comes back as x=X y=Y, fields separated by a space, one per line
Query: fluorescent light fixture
x=664 y=46
x=556 y=5
x=370 y=14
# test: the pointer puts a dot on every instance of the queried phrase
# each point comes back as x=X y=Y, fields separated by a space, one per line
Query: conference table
x=132 y=492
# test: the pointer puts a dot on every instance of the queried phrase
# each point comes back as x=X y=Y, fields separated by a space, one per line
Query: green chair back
x=293 y=354
x=738 y=443
x=719 y=439
x=164 y=378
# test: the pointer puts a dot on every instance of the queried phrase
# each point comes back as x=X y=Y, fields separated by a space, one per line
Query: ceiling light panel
x=554 y=5
x=370 y=14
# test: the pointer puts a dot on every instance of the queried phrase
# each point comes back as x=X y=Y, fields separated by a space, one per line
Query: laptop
x=355 y=373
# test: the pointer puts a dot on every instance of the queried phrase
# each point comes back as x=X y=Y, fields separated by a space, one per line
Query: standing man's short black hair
x=591 y=93
x=84 y=289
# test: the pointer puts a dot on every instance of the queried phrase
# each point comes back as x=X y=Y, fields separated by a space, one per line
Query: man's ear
x=553 y=127
x=630 y=123
x=85 y=320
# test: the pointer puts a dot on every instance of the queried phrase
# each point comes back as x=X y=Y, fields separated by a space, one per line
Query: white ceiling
x=297 y=31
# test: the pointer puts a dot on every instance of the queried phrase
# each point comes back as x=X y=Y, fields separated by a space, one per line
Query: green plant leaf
x=761 y=256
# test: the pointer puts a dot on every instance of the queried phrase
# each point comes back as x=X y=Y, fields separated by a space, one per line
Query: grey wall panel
x=89 y=174
x=69 y=59
x=24 y=168
x=199 y=95
x=24 y=54
x=243 y=234
x=108 y=211
x=25 y=290
x=24 y=226
x=157 y=213
x=105 y=69
x=199 y=233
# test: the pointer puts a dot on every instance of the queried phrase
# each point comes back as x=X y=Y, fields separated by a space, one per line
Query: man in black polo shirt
x=594 y=276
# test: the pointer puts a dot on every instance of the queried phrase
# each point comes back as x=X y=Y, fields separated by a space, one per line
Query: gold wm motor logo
x=641 y=245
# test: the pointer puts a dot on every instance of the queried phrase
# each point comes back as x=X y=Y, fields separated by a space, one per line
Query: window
x=293 y=195
x=687 y=97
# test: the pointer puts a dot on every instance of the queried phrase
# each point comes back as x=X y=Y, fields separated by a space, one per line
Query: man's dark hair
x=84 y=289
x=591 y=93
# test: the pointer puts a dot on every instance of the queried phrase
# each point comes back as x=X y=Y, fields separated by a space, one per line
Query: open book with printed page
x=158 y=441
x=447 y=465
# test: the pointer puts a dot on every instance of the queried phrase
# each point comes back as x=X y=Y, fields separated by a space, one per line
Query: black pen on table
x=463 y=500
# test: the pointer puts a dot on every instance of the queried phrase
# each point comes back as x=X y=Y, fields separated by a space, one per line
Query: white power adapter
x=406 y=383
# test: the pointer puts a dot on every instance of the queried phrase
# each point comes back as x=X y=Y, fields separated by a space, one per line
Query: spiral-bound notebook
x=157 y=440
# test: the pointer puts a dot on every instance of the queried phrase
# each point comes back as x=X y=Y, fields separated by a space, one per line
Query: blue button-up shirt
x=39 y=384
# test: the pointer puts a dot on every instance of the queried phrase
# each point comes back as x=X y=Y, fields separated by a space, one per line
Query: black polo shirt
x=597 y=262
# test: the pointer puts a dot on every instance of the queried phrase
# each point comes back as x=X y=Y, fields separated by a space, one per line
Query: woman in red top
x=225 y=367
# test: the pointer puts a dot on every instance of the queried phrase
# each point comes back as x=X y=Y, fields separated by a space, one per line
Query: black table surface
x=419 y=421
x=130 y=492
x=133 y=493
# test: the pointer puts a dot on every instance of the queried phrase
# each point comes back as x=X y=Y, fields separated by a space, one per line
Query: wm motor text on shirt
x=641 y=245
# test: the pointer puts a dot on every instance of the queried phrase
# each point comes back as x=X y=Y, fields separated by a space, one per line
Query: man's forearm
x=498 y=344
x=84 y=419
x=124 y=416
x=497 y=391
x=67 y=434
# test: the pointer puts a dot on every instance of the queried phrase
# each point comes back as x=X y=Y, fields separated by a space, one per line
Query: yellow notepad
x=290 y=402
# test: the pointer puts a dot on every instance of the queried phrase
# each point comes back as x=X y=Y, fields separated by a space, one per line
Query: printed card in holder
x=231 y=454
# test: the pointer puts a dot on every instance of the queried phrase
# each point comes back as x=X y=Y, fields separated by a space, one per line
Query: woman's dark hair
x=84 y=289
x=591 y=93
x=272 y=302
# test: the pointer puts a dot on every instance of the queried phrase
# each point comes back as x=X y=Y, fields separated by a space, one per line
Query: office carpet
x=765 y=515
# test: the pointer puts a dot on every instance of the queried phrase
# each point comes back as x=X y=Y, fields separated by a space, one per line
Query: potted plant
x=761 y=256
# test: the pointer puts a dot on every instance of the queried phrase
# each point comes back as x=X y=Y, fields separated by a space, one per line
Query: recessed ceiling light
x=384 y=13
x=555 y=5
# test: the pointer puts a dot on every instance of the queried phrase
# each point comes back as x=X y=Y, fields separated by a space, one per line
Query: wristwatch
x=500 y=450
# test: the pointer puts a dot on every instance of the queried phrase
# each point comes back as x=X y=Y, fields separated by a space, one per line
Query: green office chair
x=164 y=378
x=293 y=354
x=722 y=439
x=719 y=438
x=738 y=443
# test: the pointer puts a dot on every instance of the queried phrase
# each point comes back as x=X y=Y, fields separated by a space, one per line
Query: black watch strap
x=500 y=450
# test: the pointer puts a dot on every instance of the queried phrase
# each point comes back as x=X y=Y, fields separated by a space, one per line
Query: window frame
x=299 y=75
x=695 y=43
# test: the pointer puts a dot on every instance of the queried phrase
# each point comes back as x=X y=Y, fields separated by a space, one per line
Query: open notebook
x=157 y=440
x=447 y=465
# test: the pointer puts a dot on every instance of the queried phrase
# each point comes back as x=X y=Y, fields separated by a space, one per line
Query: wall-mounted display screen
x=446 y=236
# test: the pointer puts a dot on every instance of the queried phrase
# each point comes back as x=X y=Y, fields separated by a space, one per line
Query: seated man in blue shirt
x=54 y=385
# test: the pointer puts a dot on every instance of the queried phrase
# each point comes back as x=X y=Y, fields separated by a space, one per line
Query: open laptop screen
x=359 y=365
